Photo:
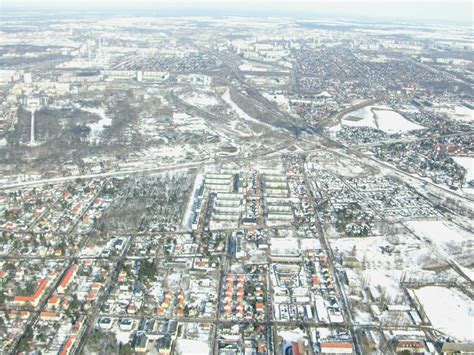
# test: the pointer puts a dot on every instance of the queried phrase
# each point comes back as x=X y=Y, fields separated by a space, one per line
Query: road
x=331 y=260
x=105 y=292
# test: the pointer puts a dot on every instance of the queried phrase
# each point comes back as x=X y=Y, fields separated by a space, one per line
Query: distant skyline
x=428 y=11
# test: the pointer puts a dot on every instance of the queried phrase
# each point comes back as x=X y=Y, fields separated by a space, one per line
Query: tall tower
x=32 y=127
x=33 y=104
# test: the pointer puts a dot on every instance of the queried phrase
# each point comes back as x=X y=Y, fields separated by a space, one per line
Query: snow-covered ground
x=97 y=127
x=440 y=232
x=336 y=128
x=364 y=117
x=468 y=164
x=459 y=113
x=284 y=246
x=449 y=311
x=272 y=82
x=384 y=271
x=226 y=97
x=386 y=280
x=380 y=117
x=324 y=94
x=310 y=244
x=280 y=99
x=167 y=151
x=189 y=346
x=201 y=99
x=392 y=122
x=450 y=240
x=293 y=335
x=186 y=123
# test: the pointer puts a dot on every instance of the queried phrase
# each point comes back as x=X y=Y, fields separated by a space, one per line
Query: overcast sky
x=450 y=11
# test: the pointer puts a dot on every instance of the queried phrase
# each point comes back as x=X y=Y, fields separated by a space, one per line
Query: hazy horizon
x=420 y=11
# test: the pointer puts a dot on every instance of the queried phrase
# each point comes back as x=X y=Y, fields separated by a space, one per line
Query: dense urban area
x=235 y=186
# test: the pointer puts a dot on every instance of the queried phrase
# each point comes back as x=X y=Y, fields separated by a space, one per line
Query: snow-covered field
x=449 y=311
x=295 y=335
x=388 y=281
x=310 y=244
x=380 y=117
x=468 y=164
x=441 y=232
x=451 y=240
x=392 y=122
x=459 y=113
x=191 y=346
x=360 y=118
x=385 y=270
x=284 y=246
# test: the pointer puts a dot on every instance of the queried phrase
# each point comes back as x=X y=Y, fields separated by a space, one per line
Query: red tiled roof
x=67 y=278
x=42 y=285
x=68 y=345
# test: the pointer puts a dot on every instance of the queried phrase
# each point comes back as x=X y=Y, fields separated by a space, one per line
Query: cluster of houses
x=40 y=221
x=243 y=297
